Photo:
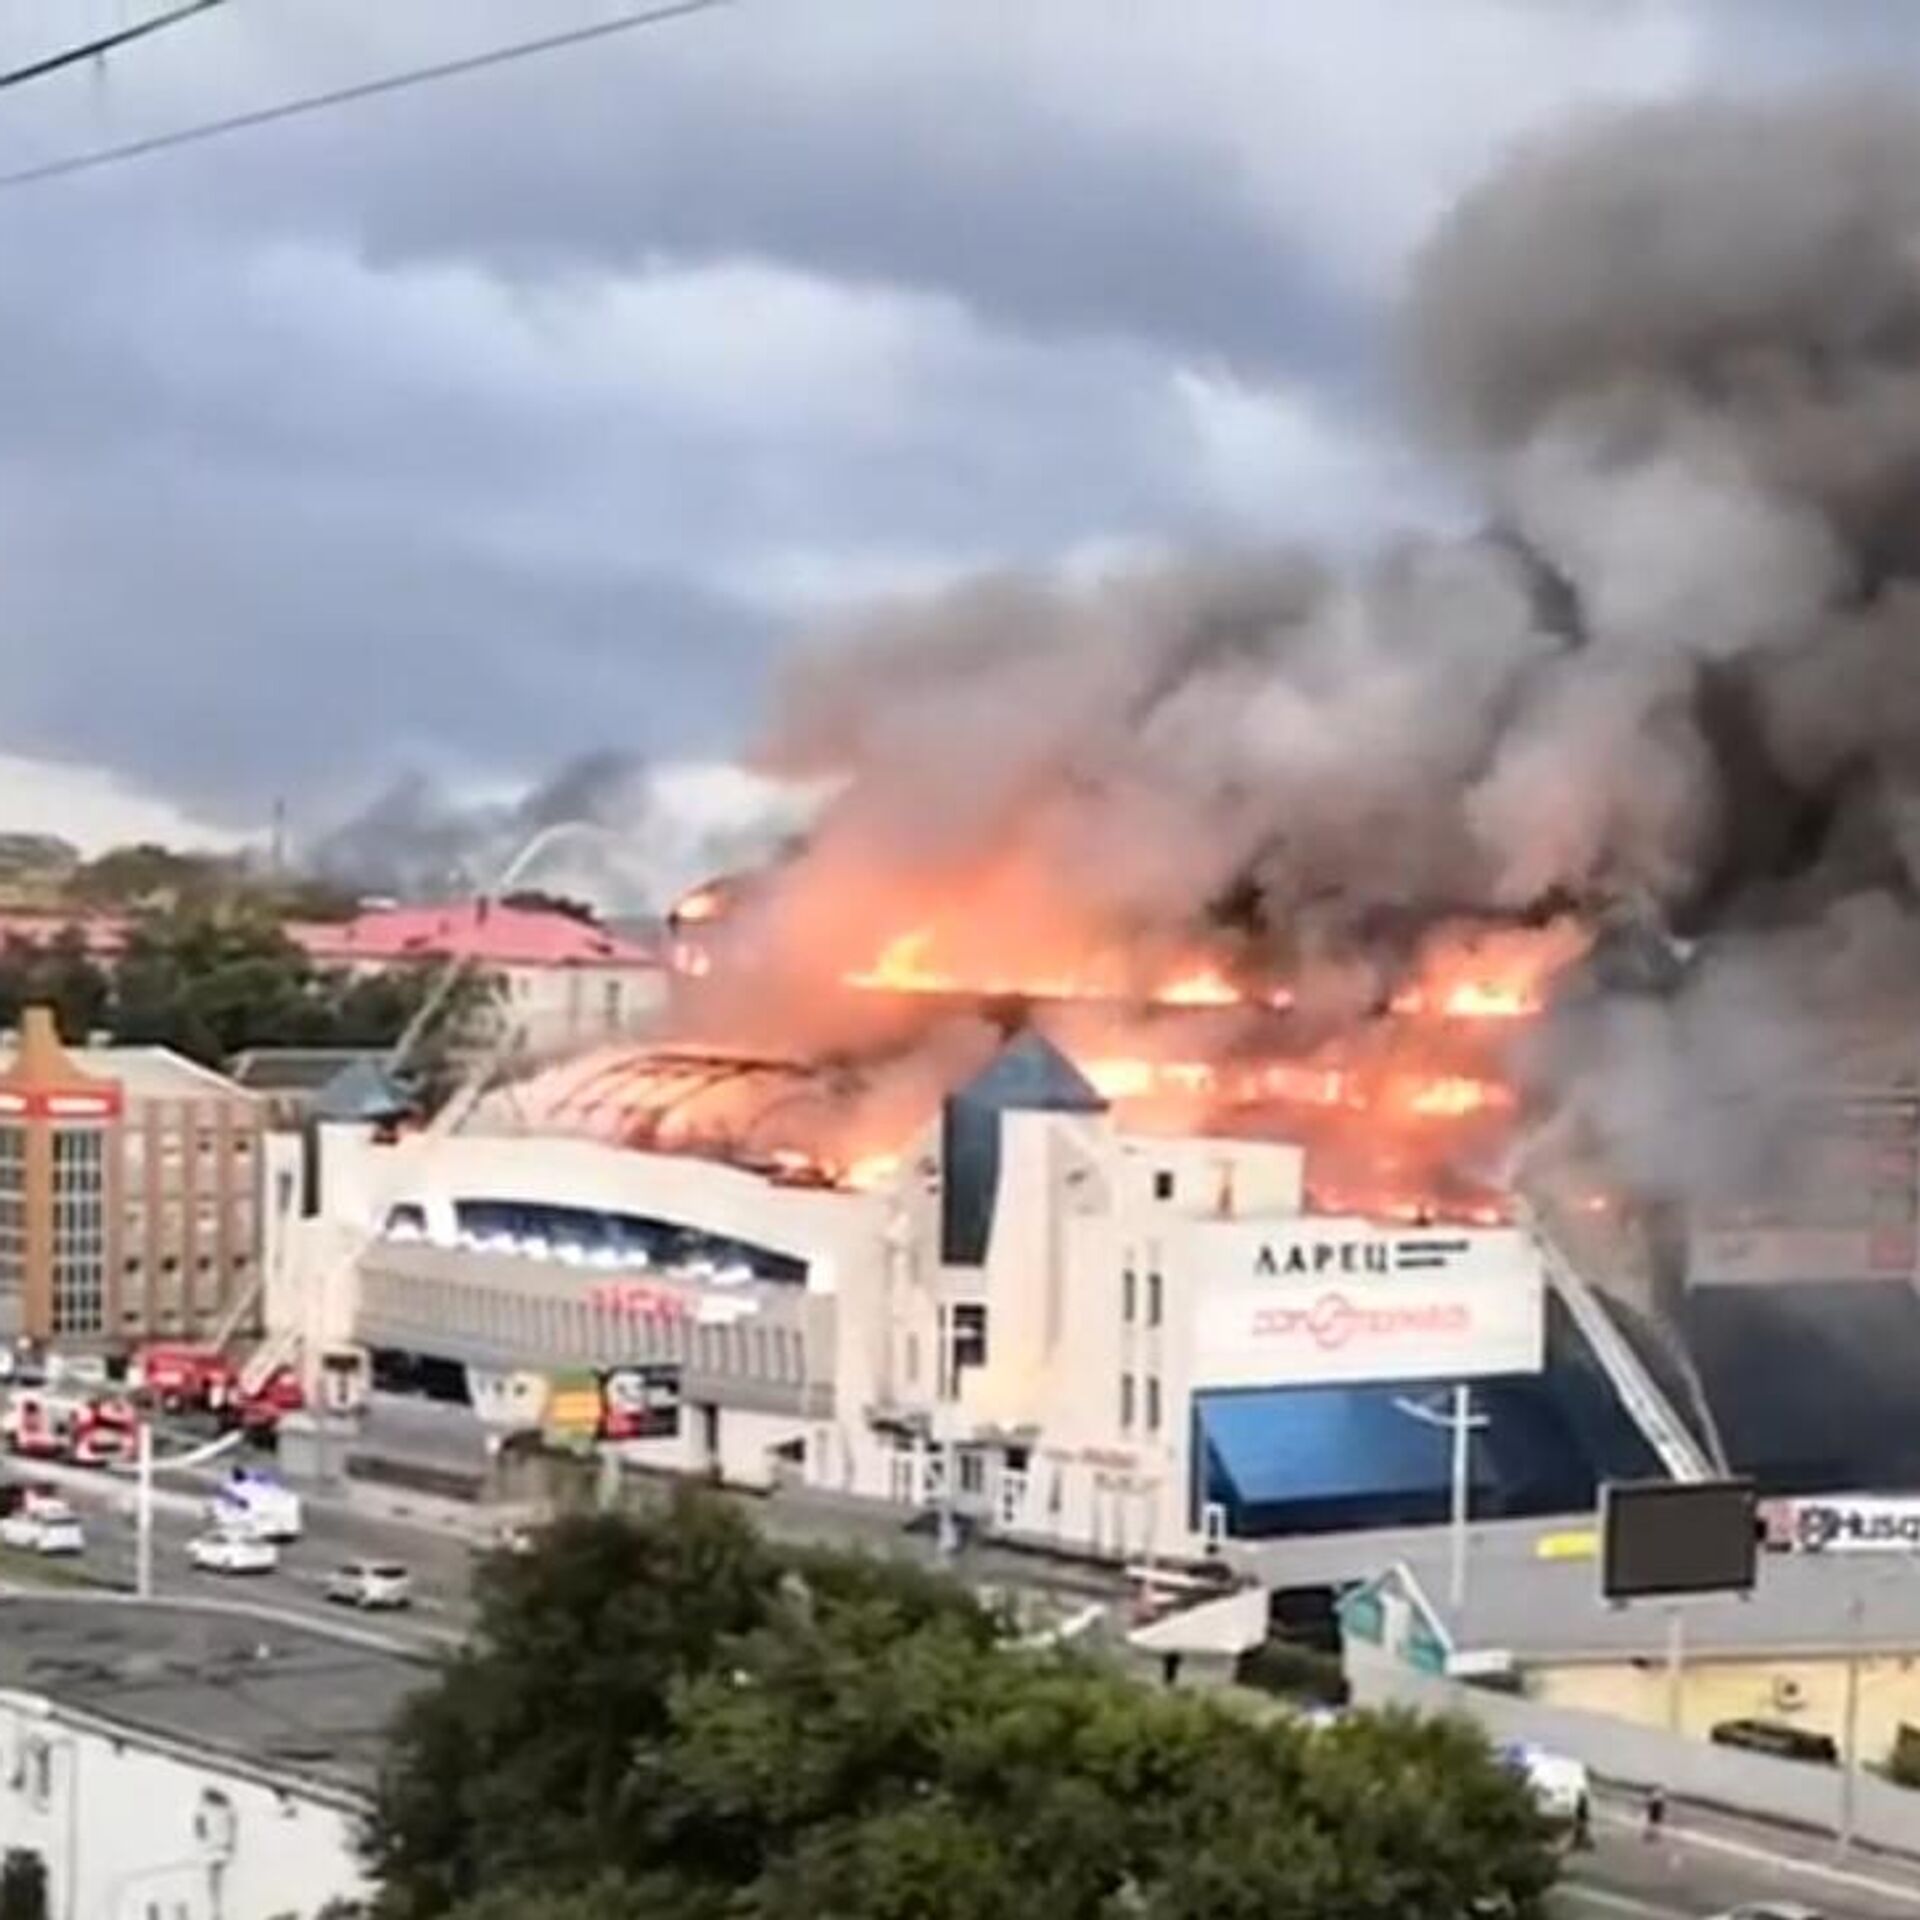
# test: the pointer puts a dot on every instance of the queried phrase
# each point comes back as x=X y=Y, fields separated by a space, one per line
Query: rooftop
x=262 y=1692
x=1543 y=1611
x=482 y=930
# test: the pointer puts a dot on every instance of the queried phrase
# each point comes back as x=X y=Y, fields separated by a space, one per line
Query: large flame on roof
x=1397 y=1086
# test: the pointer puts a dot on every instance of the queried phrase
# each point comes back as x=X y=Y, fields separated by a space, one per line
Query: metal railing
x=1671 y=1439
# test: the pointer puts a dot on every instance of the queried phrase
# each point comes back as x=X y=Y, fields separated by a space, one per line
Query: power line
x=106 y=43
x=400 y=81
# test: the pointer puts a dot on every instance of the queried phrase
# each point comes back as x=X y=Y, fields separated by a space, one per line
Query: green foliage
x=1903 y=1763
x=671 y=1717
x=211 y=984
x=23 y=1885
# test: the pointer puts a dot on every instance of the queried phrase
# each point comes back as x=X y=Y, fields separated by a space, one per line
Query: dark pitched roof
x=1030 y=1074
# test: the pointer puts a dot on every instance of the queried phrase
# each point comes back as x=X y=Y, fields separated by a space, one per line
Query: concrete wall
x=1689 y=1769
x=1809 y=1693
x=114 y=1818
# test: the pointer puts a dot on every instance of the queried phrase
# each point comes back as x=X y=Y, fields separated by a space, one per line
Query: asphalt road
x=1705 y=1864
x=441 y=1565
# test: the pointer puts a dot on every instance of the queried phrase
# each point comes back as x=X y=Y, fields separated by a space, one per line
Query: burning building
x=1567 y=860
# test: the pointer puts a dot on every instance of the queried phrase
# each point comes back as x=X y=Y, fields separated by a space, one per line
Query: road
x=441 y=1565
x=1705 y=1864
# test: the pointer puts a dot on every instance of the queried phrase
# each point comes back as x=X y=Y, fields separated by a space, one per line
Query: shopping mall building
x=1053 y=1329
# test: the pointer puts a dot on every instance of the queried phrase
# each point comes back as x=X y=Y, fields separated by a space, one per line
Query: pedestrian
x=1583 y=1825
x=1656 y=1813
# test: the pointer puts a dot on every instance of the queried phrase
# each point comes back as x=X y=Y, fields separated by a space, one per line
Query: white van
x=1562 y=1788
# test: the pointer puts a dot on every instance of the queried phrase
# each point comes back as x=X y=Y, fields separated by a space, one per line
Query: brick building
x=132 y=1192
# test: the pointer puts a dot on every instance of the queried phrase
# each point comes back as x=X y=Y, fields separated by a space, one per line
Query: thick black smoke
x=1678 y=351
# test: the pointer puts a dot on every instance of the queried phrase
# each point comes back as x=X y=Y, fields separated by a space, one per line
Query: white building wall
x=130 y=1829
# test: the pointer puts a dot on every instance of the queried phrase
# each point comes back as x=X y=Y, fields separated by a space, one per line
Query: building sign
x=1324 y=1305
x=640 y=1403
x=1845 y=1524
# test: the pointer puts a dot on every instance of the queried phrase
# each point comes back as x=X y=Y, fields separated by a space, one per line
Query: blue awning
x=1322 y=1443
x=1311 y=1459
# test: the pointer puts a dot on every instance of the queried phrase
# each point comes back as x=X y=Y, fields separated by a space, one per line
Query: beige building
x=132 y=1192
x=1818 y=1629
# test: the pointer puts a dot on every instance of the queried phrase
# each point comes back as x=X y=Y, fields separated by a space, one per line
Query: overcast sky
x=474 y=427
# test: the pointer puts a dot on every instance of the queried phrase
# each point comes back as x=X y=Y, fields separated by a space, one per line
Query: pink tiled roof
x=105 y=934
x=491 y=934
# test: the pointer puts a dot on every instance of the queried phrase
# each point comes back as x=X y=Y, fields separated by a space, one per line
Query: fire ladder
x=1671 y=1439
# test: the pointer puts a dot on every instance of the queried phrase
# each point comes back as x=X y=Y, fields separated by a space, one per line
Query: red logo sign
x=635 y=1300
x=1333 y=1321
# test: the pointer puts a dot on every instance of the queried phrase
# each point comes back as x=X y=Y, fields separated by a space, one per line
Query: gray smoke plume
x=651 y=831
x=1673 y=689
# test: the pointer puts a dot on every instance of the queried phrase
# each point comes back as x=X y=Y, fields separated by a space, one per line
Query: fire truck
x=90 y=1429
x=185 y=1378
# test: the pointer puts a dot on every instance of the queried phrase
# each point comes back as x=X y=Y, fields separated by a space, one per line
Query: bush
x=1903 y=1763
x=1294 y=1672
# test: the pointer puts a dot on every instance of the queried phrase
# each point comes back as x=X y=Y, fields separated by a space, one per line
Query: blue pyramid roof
x=363 y=1090
x=1030 y=1074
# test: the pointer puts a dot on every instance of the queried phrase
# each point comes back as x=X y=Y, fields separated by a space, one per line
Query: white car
x=370 y=1584
x=232 y=1553
x=43 y=1526
x=1561 y=1786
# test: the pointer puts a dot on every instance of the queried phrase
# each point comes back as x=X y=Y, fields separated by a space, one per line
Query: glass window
x=1163 y=1183
x=969 y=1336
x=1153 y=1403
x=1127 y=1286
x=1126 y=1403
x=1153 y=1299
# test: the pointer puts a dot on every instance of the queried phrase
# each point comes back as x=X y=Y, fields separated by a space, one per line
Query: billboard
x=1661 y=1539
x=1845 y=1523
x=640 y=1403
x=1333 y=1302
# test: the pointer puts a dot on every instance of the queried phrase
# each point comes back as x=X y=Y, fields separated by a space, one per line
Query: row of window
x=1146 y=1392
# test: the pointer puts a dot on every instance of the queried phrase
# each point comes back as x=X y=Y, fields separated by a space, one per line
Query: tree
x=672 y=1717
x=23 y=1885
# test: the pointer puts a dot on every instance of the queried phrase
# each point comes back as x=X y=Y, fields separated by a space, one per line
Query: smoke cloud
x=648 y=833
x=1671 y=689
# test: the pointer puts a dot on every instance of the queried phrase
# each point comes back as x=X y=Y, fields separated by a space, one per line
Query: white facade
x=1047 y=1392
x=1125 y=1275
x=135 y=1828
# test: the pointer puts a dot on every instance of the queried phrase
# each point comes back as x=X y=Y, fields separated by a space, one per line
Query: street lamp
x=1462 y=1423
x=144 y=1464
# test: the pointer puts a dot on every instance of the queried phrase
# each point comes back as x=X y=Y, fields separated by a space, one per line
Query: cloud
x=469 y=428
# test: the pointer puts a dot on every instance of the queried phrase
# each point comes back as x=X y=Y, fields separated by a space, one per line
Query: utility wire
x=106 y=43
x=398 y=82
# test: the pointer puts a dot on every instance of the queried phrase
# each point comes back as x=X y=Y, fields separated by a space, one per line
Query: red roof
x=478 y=930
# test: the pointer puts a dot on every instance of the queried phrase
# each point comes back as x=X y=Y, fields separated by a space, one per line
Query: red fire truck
x=92 y=1429
x=185 y=1378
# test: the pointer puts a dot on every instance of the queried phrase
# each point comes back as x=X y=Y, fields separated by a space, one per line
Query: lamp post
x=1462 y=1423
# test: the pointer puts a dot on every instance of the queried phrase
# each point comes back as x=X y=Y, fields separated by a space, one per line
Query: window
x=1126 y=1403
x=1153 y=1299
x=1153 y=1403
x=969 y=1336
x=79 y=1231
x=973 y=1471
x=1127 y=1284
x=1163 y=1183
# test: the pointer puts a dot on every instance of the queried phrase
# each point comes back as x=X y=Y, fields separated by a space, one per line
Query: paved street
x=440 y=1564
x=1705 y=1864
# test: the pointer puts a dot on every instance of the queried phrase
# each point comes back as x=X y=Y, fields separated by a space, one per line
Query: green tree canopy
x=670 y=1716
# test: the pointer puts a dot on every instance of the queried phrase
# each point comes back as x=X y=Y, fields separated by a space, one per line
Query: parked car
x=223 y=1552
x=1783 y=1742
x=371 y=1584
x=40 y=1525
